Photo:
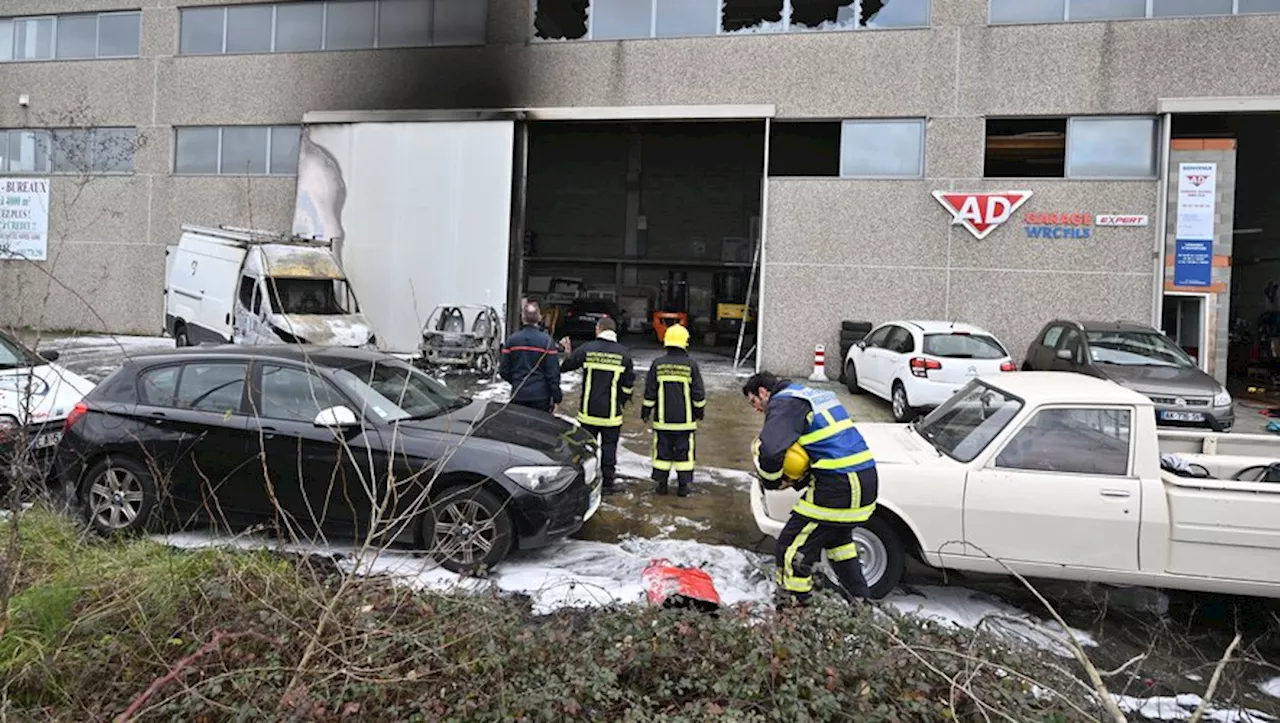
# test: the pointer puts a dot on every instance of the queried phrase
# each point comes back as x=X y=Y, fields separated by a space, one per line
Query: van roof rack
x=250 y=235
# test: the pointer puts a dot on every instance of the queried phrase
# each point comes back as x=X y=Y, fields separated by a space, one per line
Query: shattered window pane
x=1107 y=9
x=1028 y=11
x=751 y=16
x=560 y=19
x=682 y=18
x=895 y=13
x=824 y=15
x=621 y=19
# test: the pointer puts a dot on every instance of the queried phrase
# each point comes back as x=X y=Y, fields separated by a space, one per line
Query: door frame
x=1204 y=297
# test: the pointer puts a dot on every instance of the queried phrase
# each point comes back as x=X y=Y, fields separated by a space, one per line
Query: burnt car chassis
x=449 y=341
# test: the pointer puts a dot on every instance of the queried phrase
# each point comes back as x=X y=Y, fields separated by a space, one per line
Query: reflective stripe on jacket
x=674 y=393
x=608 y=379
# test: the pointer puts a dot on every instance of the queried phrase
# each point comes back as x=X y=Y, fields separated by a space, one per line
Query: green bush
x=93 y=624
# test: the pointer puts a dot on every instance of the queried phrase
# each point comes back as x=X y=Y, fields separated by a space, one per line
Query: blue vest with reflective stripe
x=831 y=441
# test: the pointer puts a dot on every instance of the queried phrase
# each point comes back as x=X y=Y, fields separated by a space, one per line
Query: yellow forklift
x=732 y=311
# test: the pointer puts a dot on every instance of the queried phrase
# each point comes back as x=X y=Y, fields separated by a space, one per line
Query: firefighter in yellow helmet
x=833 y=467
x=676 y=399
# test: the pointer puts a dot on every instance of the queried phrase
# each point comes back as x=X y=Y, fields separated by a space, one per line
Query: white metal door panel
x=421 y=212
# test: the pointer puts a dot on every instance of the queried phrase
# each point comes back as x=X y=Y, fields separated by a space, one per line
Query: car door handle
x=1121 y=494
x=268 y=432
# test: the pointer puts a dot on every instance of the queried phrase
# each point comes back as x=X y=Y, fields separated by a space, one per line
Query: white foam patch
x=1182 y=706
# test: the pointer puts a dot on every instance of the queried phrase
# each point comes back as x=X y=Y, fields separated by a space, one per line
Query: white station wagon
x=1061 y=475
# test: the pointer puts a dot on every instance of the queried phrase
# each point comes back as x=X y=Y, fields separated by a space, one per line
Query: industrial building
x=1000 y=162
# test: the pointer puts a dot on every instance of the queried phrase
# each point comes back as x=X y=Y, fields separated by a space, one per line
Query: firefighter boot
x=683 y=479
x=661 y=476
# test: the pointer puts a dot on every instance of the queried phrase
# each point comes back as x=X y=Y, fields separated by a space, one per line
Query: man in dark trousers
x=531 y=365
x=840 y=486
x=608 y=377
x=676 y=399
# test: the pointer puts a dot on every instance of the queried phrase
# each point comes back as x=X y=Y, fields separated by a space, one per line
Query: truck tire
x=862 y=326
x=851 y=337
x=180 y=337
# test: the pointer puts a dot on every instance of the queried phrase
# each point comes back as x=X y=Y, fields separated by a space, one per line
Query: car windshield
x=1136 y=348
x=963 y=426
x=14 y=356
x=305 y=296
x=963 y=346
x=396 y=392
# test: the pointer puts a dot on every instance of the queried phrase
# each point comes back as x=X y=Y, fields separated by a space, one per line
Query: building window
x=1008 y=12
x=71 y=37
x=859 y=148
x=331 y=25
x=630 y=19
x=68 y=150
x=882 y=148
x=1083 y=147
x=237 y=150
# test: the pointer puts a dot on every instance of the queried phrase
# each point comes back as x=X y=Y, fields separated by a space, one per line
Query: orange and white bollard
x=819 y=364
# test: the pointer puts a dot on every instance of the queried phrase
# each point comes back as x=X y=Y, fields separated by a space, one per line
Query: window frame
x=56 y=18
x=431 y=42
x=921 y=122
x=49 y=141
x=1149 y=14
x=1155 y=147
x=785 y=23
x=270 y=172
x=1130 y=468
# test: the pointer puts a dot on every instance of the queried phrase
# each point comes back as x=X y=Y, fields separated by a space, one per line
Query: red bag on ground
x=678 y=586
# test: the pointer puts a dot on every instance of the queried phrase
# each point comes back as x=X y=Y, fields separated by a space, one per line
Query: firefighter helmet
x=796 y=464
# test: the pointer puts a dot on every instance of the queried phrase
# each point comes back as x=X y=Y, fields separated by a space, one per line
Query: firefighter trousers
x=673 y=450
x=608 y=437
x=800 y=545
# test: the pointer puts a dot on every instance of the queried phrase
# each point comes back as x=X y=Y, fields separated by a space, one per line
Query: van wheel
x=180 y=338
x=466 y=529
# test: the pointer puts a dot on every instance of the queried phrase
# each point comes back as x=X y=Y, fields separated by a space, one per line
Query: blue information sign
x=1192 y=263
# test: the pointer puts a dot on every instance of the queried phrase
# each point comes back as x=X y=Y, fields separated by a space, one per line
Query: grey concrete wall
x=955 y=73
x=882 y=250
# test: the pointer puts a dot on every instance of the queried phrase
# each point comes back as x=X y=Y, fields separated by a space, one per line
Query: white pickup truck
x=1060 y=475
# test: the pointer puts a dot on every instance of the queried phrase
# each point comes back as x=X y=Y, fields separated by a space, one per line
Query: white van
x=252 y=287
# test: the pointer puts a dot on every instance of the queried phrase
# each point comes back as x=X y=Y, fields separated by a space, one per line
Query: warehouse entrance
x=650 y=222
x=1244 y=151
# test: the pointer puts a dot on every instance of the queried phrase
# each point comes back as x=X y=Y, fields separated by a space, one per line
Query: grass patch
x=220 y=635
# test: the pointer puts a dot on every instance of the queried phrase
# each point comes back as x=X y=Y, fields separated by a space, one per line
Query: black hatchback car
x=318 y=438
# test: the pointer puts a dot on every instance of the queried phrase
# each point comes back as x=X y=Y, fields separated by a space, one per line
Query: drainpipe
x=1162 y=219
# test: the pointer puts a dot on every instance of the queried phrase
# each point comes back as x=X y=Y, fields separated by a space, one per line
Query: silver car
x=1141 y=358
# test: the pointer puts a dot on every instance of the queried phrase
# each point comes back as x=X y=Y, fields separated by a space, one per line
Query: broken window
x=804 y=148
x=752 y=16
x=1026 y=148
x=560 y=19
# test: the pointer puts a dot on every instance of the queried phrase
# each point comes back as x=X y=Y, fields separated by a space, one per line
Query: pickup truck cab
x=1060 y=475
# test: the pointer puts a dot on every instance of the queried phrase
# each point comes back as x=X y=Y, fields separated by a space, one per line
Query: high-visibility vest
x=836 y=449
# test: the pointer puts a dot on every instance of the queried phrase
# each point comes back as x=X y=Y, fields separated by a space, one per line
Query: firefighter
x=608 y=378
x=530 y=364
x=676 y=399
x=839 y=485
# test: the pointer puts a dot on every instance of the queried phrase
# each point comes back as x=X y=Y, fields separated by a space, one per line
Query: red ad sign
x=982 y=212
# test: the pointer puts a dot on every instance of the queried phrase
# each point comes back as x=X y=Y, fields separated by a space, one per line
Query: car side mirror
x=336 y=417
x=50 y=355
x=1064 y=354
x=862 y=344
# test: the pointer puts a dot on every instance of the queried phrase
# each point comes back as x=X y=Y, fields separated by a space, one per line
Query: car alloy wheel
x=467 y=529
x=116 y=497
x=899 y=403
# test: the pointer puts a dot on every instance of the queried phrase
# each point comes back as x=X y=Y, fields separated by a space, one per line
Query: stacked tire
x=851 y=332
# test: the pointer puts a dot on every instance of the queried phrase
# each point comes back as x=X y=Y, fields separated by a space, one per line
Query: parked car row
x=918 y=365
x=311 y=438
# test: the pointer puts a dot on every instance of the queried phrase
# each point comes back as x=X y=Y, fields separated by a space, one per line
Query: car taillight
x=77 y=412
x=920 y=366
x=1008 y=367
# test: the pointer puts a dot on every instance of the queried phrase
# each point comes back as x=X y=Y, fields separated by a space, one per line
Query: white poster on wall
x=24 y=219
x=1197 y=187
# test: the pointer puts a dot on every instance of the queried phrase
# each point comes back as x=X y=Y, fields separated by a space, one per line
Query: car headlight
x=1223 y=399
x=543 y=479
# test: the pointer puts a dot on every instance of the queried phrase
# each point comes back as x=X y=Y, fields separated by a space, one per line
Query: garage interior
x=657 y=221
x=1253 y=353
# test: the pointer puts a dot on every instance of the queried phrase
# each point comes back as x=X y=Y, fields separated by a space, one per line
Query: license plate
x=46 y=440
x=1182 y=416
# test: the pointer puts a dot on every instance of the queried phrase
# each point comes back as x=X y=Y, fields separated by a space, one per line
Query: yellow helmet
x=676 y=335
x=796 y=464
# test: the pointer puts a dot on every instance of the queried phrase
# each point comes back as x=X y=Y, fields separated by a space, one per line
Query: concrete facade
x=836 y=248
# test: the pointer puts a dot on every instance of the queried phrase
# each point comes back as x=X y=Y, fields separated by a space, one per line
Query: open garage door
x=420 y=211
